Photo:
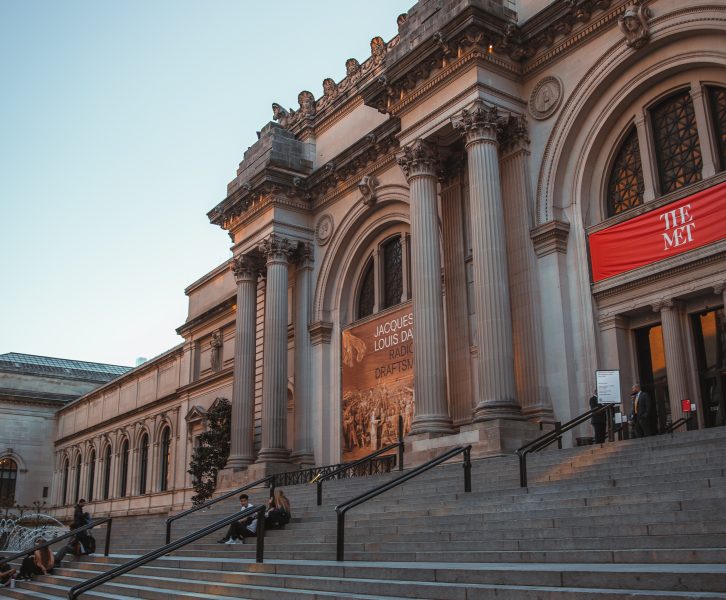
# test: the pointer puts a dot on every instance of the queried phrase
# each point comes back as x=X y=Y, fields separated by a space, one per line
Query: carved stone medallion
x=324 y=230
x=546 y=98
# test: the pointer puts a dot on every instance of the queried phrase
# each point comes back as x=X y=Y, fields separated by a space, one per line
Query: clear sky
x=121 y=124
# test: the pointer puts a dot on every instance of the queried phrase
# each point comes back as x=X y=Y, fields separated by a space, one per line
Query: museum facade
x=517 y=194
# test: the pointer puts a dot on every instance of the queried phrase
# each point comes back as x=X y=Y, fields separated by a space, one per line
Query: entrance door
x=652 y=372
x=708 y=334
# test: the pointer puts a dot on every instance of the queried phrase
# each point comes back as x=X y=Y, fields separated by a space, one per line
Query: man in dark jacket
x=598 y=421
x=642 y=408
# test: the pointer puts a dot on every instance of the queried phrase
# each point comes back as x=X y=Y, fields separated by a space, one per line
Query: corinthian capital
x=479 y=123
x=515 y=135
x=276 y=248
x=418 y=158
x=245 y=268
x=666 y=304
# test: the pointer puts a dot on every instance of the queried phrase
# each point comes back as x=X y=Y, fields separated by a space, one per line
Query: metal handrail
x=371 y=456
x=545 y=440
x=676 y=424
x=341 y=509
x=224 y=496
x=85 y=586
x=558 y=429
x=91 y=525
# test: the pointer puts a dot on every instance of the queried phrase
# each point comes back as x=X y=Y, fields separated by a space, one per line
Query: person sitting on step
x=243 y=528
x=40 y=562
x=278 y=510
x=6 y=574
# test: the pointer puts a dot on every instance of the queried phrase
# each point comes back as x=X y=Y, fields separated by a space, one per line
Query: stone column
x=676 y=368
x=709 y=150
x=419 y=162
x=243 y=394
x=647 y=160
x=457 y=309
x=274 y=378
x=480 y=126
x=303 y=446
x=522 y=266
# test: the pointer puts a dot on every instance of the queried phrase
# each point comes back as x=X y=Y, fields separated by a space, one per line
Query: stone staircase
x=642 y=519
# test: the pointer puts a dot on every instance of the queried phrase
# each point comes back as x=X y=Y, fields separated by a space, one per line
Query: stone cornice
x=216 y=310
x=550 y=237
x=474 y=35
x=353 y=162
x=320 y=332
x=87 y=432
x=35 y=398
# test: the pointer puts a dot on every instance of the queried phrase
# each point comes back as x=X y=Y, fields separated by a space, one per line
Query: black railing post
x=340 y=538
x=467 y=469
x=320 y=492
x=168 y=531
x=260 y=536
x=108 y=537
x=400 y=442
x=558 y=431
x=522 y=469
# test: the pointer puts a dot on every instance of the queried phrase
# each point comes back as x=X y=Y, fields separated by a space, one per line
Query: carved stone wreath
x=546 y=98
x=324 y=230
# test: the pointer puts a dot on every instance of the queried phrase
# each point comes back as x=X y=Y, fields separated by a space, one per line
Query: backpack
x=90 y=546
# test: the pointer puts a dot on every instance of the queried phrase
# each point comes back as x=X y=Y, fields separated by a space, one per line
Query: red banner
x=670 y=230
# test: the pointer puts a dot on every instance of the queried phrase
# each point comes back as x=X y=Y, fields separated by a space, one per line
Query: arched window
x=383 y=282
x=366 y=296
x=392 y=272
x=143 y=462
x=625 y=185
x=717 y=97
x=107 y=472
x=66 y=468
x=91 y=474
x=677 y=148
x=164 y=459
x=8 y=477
x=77 y=488
x=124 y=477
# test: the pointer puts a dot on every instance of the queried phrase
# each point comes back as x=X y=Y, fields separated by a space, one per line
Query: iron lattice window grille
x=625 y=187
x=77 y=494
x=677 y=148
x=392 y=272
x=143 y=463
x=367 y=295
x=91 y=474
x=717 y=97
x=107 y=473
x=165 y=459
x=124 y=469
x=8 y=478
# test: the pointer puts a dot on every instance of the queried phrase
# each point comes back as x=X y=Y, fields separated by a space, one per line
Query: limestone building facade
x=32 y=389
x=518 y=193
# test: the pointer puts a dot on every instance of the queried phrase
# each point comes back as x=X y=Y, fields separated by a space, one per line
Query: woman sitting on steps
x=278 y=510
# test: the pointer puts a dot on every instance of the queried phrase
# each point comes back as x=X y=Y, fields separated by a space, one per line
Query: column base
x=434 y=424
x=489 y=410
x=239 y=462
x=304 y=459
x=496 y=437
x=273 y=455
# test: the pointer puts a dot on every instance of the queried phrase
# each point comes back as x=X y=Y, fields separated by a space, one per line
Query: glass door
x=652 y=373
x=708 y=334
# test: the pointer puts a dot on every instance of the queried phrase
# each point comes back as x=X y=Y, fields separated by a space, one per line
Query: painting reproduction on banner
x=377 y=376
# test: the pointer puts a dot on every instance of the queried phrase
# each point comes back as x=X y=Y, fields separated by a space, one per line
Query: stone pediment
x=196 y=414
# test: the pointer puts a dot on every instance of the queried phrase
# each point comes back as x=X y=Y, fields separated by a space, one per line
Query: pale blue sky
x=120 y=125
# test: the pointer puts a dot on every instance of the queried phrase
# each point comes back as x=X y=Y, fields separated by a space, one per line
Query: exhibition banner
x=377 y=381
x=678 y=227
